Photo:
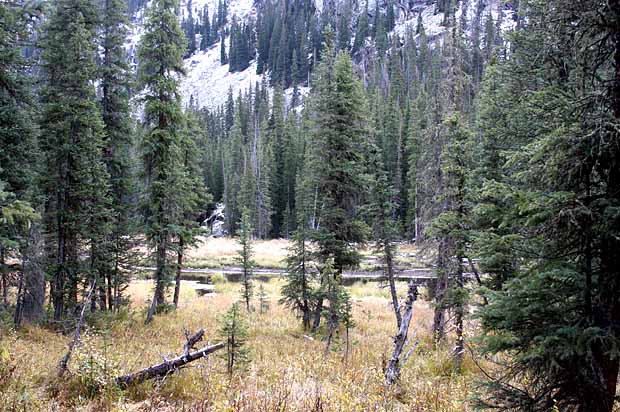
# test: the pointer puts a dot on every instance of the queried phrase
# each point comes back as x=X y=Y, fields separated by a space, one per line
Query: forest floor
x=288 y=369
x=287 y=372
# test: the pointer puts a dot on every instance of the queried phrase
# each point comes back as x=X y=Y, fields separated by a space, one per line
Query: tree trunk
x=19 y=303
x=151 y=312
x=177 y=284
x=389 y=266
x=392 y=372
x=607 y=304
x=440 y=290
x=316 y=322
x=32 y=308
x=459 y=347
x=159 y=296
x=3 y=273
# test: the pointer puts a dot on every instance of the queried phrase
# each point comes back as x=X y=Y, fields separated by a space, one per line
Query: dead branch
x=62 y=365
x=192 y=340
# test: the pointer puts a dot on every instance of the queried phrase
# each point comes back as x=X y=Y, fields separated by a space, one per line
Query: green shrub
x=218 y=278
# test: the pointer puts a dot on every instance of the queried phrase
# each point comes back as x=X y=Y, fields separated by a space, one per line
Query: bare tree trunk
x=392 y=372
x=19 y=303
x=160 y=278
x=328 y=345
x=347 y=347
x=389 y=266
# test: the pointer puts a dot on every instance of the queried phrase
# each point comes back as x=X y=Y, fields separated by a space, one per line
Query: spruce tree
x=277 y=178
x=19 y=158
x=160 y=56
x=385 y=228
x=340 y=138
x=362 y=30
x=223 y=55
x=339 y=307
x=75 y=177
x=556 y=313
x=245 y=258
x=297 y=291
x=451 y=231
x=233 y=329
x=118 y=142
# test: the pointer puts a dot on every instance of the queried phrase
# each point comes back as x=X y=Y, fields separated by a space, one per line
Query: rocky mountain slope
x=208 y=81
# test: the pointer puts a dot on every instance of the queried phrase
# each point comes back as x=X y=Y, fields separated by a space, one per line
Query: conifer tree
x=555 y=314
x=263 y=300
x=340 y=138
x=223 y=55
x=339 y=308
x=362 y=30
x=190 y=30
x=297 y=291
x=118 y=142
x=277 y=178
x=344 y=31
x=19 y=169
x=245 y=258
x=451 y=230
x=390 y=18
x=75 y=178
x=234 y=331
x=385 y=228
x=205 y=30
x=160 y=55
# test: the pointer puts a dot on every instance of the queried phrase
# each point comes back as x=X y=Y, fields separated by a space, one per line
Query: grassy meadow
x=288 y=370
x=221 y=252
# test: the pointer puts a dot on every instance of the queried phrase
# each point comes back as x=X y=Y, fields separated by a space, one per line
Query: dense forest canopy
x=493 y=145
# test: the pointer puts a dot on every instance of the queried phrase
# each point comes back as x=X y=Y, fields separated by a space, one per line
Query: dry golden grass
x=217 y=252
x=288 y=371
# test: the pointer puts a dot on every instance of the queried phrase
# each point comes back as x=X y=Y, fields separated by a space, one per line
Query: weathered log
x=392 y=372
x=166 y=367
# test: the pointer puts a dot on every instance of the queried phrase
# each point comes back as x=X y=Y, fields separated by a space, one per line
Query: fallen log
x=392 y=373
x=169 y=365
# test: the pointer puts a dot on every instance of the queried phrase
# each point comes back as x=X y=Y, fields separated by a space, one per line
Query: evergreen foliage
x=557 y=174
x=19 y=157
x=245 y=258
x=233 y=329
x=161 y=62
x=75 y=179
x=118 y=147
x=340 y=138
